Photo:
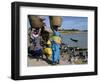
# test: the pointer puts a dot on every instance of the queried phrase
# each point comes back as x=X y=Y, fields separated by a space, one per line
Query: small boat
x=74 y=40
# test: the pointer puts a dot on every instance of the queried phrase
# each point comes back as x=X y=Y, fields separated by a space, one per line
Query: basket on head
x=56 y=20
x=35 y=21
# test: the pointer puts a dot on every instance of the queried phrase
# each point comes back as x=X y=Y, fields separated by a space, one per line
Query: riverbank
x=71 y=32
x=64 y=60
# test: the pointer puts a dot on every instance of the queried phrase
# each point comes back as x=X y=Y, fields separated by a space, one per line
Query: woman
x=37 y=42
x=56 y=46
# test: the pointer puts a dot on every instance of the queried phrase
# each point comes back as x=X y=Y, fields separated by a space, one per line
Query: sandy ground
x=47 y=62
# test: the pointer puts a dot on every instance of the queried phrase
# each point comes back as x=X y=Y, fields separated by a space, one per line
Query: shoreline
x=72 y=32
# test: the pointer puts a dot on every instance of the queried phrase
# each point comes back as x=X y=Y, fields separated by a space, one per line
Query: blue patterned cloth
x=56 y=33
x=55 y=52
x=55 y=49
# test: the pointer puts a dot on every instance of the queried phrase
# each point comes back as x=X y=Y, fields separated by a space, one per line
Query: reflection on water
x=81 y=37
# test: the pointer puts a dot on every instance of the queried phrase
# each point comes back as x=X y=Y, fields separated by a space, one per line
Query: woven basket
x=35 y=21
x=56 y=20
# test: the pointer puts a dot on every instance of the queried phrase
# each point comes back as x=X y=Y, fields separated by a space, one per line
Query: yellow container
x=48 y=51
x=49 y=42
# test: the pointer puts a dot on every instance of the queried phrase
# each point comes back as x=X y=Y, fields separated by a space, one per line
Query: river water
x=81 y=37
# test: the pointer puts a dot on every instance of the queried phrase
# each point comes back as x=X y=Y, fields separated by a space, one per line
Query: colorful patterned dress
x=55 y=49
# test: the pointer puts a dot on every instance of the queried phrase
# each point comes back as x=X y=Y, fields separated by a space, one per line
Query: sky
x=69 y=22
